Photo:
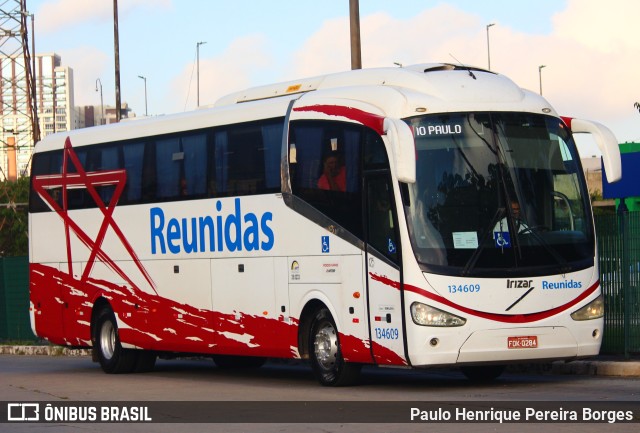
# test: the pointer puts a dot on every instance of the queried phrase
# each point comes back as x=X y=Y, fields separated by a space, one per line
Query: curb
x=595 y=367
x=43 y=350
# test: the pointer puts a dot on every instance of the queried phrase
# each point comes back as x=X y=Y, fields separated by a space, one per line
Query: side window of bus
x=247 y=159
x=181 y=166
x=93 y=159
x=326 y=172
x=109 y=160
x=133 y=154
x=374 y=154
x=46 y=163
x=78 y=198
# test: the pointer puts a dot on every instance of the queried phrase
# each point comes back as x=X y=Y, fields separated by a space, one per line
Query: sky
x=589 y=47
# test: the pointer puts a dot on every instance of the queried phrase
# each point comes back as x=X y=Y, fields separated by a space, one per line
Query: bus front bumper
x=521 y=344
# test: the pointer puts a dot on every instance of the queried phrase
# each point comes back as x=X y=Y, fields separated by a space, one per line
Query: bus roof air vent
x=452 y=67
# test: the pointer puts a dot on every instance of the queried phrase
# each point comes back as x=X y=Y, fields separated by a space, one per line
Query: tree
x=14 y=226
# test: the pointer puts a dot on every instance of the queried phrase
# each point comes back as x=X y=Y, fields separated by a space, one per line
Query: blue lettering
x=231 y=232
x=219 y=222
x=268 y=244
x=189 y=247
x=173 y=234
x=206 y=223
x=570 y=284
x=156 y=214
x=251 y=232
x=233 y=219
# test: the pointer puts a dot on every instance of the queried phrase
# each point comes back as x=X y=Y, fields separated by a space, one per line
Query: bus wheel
x=111 y=356
x=327 y=362
x=483 y=373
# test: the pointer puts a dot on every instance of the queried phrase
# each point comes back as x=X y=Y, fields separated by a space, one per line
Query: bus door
x=383 y=271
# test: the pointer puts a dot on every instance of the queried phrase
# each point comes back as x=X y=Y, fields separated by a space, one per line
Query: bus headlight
x=593 y=310
x=427 y=315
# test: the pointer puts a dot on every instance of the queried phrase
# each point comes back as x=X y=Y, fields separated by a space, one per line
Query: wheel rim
x=107 y=339
x=326 y=346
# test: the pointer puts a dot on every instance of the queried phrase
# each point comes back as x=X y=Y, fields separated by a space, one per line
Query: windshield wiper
x=471 y=263
x=564 y=265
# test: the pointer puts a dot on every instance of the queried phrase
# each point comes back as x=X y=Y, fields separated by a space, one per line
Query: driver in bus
x=501 y=229
x=334 y=174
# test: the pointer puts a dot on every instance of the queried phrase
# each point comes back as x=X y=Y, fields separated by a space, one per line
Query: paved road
x=77 y=379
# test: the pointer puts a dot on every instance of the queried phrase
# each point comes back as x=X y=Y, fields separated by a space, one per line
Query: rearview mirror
x=606 y=141
x=402 y=148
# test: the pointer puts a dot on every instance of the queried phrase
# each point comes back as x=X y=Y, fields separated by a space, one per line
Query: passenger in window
x=334 y=174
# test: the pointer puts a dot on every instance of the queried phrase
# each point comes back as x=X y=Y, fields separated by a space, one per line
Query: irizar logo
x=519 y=284
x=231 y=232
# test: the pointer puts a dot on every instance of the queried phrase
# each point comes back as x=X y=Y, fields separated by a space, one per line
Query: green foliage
x=595 y=195
x=14 y=227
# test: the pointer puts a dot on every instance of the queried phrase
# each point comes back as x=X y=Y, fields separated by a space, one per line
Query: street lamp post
x=488 y=50
x=540 y=76
x=101 y=101
x=146 y=113
x=198 y=71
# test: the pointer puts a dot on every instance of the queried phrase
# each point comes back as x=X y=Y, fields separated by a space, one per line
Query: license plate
x=522 y=342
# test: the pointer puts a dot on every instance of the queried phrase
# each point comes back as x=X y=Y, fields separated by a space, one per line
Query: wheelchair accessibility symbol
x=502 y=239
x=325 y=244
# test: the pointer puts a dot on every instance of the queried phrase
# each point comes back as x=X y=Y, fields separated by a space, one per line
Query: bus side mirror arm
x=606 y=141
x=403 y=149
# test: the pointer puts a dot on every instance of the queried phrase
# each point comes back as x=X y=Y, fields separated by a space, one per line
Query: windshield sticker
x=502 y=239
x=465 y=240
x=422 y=131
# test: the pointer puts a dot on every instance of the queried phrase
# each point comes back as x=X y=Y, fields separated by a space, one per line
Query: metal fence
x=14 y=299
x=619 y=257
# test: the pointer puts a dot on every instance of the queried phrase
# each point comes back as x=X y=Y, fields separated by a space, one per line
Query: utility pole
x=354 y=15
x=34 y=97
x=116 y=43
x=18 y=86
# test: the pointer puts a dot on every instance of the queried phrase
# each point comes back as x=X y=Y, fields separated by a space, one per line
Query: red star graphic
x=45 y=184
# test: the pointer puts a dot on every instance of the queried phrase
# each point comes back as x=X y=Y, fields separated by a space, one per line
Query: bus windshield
x=498 y=193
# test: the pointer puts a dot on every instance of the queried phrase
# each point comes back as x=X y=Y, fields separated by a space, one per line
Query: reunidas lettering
x=231 y=232
x=570 y=284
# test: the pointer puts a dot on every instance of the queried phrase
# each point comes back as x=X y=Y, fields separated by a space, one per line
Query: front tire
x=112 y=357
x=325 y=352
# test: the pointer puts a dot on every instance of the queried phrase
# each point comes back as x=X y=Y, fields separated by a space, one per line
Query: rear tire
x=112 y=357
x=483 y=373
x=325 y=353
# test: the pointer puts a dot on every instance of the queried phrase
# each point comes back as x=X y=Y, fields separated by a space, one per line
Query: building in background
x=94 y=115
x=54 y=101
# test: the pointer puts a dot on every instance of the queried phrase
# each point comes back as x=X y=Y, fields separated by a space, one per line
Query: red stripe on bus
x=373 y=121
x=504 y=318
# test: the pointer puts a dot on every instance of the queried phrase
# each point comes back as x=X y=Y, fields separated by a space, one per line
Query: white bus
x=432 y=215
